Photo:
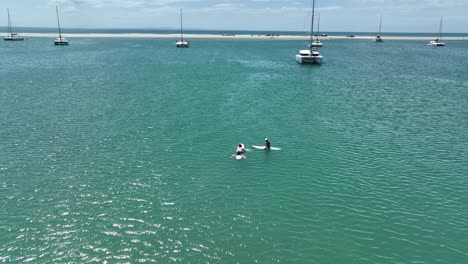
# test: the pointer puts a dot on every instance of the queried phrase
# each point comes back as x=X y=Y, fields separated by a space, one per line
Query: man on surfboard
x=266 y=146
x=240 y=149
x=267 y=143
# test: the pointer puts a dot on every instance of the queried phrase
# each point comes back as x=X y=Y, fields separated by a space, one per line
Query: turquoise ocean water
x=118 y=151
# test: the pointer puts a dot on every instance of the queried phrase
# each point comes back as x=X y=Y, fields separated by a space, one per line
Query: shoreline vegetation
x=226 y=36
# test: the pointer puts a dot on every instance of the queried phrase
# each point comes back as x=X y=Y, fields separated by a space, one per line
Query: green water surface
x=118 y=151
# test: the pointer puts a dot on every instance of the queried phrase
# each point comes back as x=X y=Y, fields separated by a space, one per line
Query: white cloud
x=329 y=8
x=118 y=3
x=229 y=5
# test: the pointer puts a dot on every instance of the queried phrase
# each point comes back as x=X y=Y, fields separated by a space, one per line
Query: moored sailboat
x=378 y=38
x=317 y=42
x=438 y=41
x=60 y=41
x=311 y=55
x=10 y=35
x=182 y=43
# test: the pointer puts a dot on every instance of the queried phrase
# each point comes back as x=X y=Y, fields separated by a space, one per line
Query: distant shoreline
x=224 y=36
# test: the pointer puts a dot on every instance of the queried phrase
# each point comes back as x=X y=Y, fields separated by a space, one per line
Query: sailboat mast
x=312 y=23
x=380 y=25
x=440 y=29
x=181 y=32
x=58 y=23
x=9 y=23
x=318 y=27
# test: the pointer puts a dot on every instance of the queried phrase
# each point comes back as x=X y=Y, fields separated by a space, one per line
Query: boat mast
x=9 y=23
x=58 y=23
x=181 y=32
x=312 y=24
x=380 y=26
x=440 y=29
x=318 y=27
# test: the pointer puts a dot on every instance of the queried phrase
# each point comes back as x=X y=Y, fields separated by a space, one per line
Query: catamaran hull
x=12 y=39
x=182 y=44
x=60 y=43
x=308 y=59
x=439 y=44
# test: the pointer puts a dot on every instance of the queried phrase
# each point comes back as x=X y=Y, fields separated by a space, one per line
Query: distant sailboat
x=317 y=42
x=59 y=41
x=11 y=36
x=438 y=41
x=311 y=55
x=182 y=43
x=378 y=38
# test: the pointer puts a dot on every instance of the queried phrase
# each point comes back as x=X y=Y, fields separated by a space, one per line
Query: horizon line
x=246 y=30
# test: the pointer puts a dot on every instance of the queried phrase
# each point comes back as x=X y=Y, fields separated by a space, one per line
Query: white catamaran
x=378 y=38
x=182 y=43
x=59 y=41
x=438 y=41
x=311 y=55
x=11 y=36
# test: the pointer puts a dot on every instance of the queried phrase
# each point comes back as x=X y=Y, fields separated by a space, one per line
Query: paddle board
x=263 y=147
x=238 y=157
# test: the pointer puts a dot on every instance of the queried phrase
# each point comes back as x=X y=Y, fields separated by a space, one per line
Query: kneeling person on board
x=240 y=149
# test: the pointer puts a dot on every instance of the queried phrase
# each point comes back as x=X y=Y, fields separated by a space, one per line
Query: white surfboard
x=238 y=157
x=258 y=147
x=263 y=147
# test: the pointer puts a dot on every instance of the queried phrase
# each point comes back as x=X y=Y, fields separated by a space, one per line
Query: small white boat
x=182 y=43
x=60 y=41
x=438 y=41
x=316 y=43
x=311 y=55
x=11 y=36
x=378 y=38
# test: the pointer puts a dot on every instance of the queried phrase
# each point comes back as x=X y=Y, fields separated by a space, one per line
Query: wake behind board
x=263 y=147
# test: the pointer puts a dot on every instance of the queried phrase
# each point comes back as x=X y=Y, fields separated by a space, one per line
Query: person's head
x=266 y=139
x=240 y=145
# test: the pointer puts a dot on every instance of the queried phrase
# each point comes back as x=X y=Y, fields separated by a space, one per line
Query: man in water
x=267 y=144
x=240 y=149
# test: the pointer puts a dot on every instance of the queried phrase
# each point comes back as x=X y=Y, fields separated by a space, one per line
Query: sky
x=274 y=15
